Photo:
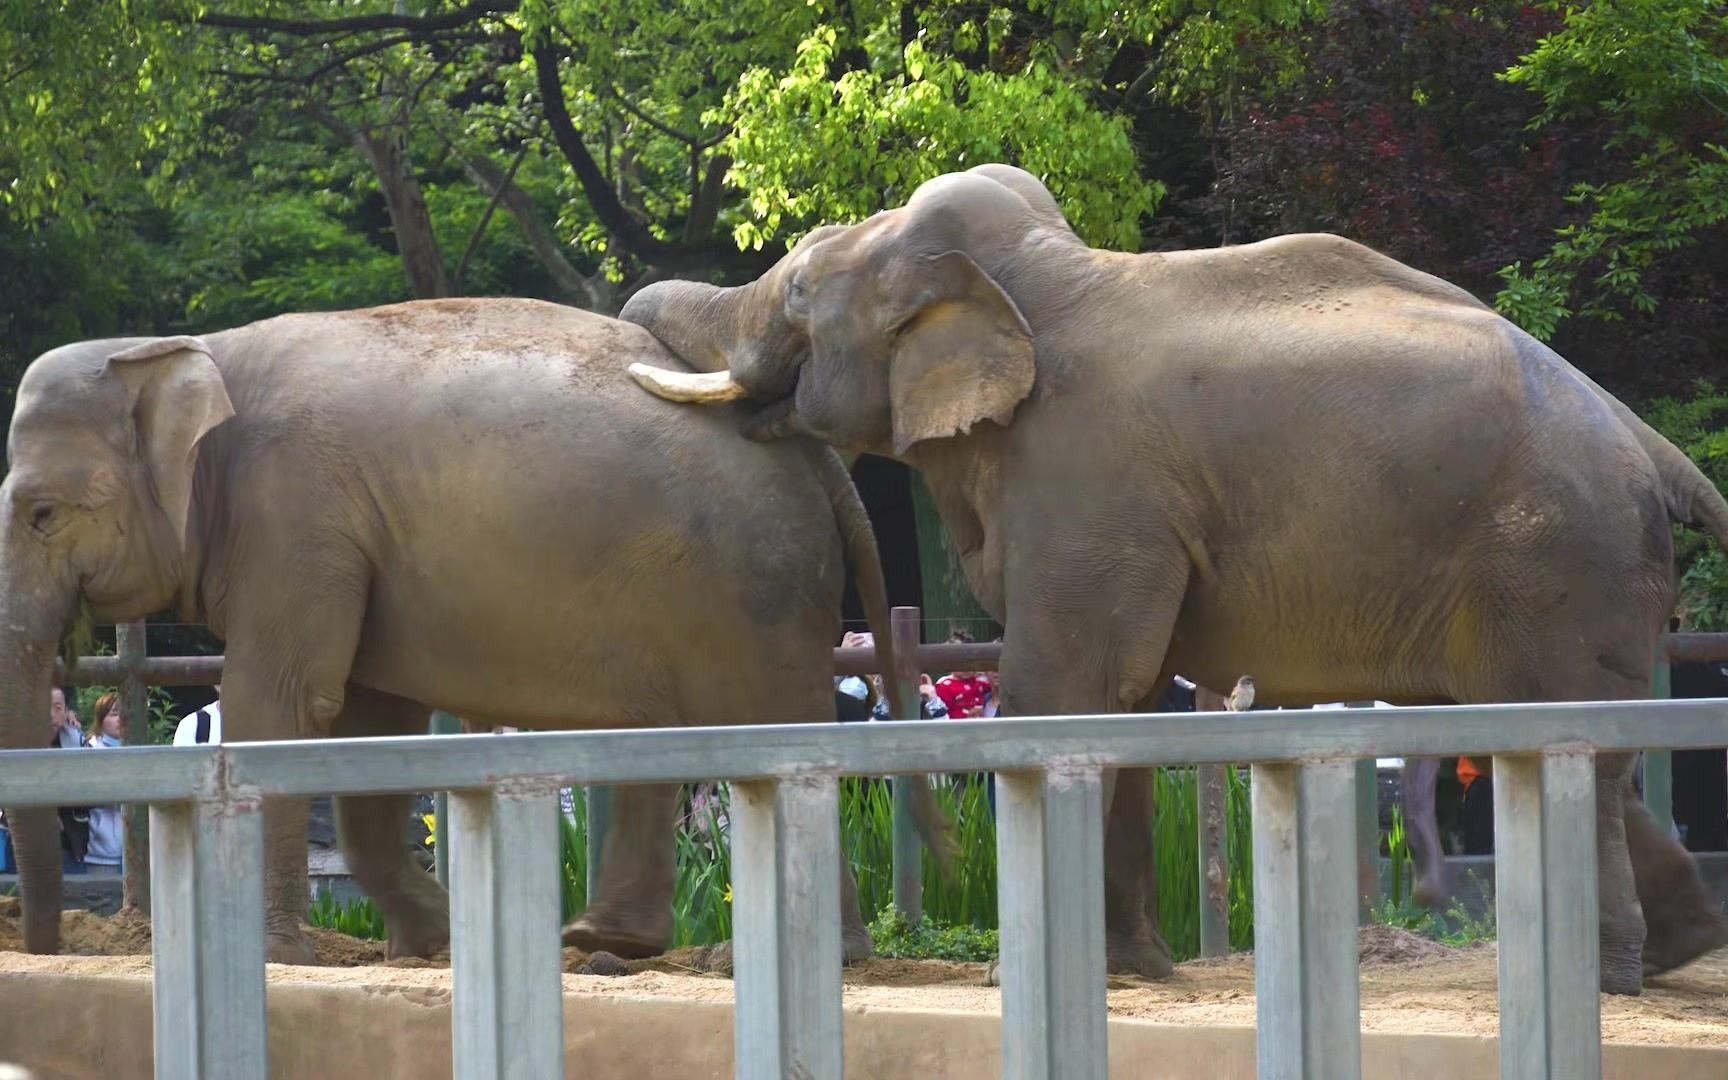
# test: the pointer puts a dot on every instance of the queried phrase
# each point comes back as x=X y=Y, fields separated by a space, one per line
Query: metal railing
x=133 y=671
x=206 y=852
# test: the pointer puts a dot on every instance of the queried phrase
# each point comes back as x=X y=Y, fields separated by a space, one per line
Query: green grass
x=356 y=918
x=960 y=910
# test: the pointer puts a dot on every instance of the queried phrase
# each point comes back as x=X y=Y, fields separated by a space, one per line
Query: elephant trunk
x=739 y=334
x=34 y=612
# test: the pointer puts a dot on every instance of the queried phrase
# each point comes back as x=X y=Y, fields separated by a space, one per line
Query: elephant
x=1296 y=457
x=452 y=504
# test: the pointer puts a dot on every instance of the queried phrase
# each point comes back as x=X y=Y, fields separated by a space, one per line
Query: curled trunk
x=740 y=331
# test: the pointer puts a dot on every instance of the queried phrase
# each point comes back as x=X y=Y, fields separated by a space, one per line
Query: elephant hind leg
x=1422 y=831
x=1132 y=942
x=1655 y=910
x=372 y=830
x=1682 y=920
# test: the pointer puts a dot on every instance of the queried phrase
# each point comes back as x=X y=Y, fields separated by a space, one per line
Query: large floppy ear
x=177 y=396
x=962 y=353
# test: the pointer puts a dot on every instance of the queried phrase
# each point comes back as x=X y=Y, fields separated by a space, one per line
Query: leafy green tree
x=1699 y=426
x=90 y=96
x=1657 y=70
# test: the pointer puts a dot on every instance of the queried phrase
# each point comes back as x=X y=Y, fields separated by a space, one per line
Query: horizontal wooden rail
x=945 y=656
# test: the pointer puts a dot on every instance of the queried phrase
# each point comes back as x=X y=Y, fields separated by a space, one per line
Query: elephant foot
x=418 y=918
x=1621 y=965
x=1673 y=944
x=592 y=932
x=1619 y=979
x=283 y=947
x=855 y=945
x=1430 y=893
x=1147 y=957
x=422 y=938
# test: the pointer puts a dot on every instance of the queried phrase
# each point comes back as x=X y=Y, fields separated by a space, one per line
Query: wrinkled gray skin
x=457 y=504
x=1296 y=458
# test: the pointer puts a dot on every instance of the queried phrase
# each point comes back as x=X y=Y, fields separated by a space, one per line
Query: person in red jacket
x=967 y=694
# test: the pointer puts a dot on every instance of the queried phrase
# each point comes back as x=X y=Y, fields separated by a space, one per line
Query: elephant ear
x=177 y=397
x=963 y=353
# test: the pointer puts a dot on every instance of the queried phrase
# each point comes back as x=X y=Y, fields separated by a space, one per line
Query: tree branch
x=699 y=142
x=603 y=196
x=607 y=206
x=485 y=217
x=591 y=292
x=417 y=24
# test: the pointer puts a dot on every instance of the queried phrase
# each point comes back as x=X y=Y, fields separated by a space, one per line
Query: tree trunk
x=415 y=240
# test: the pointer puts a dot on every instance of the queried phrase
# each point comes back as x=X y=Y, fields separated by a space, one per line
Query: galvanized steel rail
x=206 y=841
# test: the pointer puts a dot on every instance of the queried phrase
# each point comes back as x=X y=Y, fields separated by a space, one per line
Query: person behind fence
x=968 y=695
x=66 y=733
x=107 y=828
x=202 y=725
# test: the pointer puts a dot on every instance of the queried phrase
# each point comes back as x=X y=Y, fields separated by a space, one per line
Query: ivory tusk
x=707 y=386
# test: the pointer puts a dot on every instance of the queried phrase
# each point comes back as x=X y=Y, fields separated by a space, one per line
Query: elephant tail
x=1690 y=496
x=934 y=826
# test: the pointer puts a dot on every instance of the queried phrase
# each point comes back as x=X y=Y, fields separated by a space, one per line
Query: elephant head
x=877 y=336
x=93 y=518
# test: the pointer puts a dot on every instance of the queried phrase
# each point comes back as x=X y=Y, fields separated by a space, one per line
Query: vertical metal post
x=507 y=1008
x=207 y=948
x=135 y=711
x=1659 y=764
x=908 y=852
x=1050 y=854
x=1212 y=781
x=597 y=816
x=786 y=928
x=1307 y=991
x=1367 y=833
x=1545 y=908
x=1367 y=840
x=443 y=723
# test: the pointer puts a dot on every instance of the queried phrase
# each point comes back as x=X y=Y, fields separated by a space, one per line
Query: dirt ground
x=1409 y=983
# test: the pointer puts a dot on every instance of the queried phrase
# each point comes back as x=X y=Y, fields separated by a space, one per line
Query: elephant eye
x=44 y=516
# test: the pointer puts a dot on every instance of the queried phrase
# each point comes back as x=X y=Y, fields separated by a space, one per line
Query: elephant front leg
x=371 y=829
x=1132 y=943
x=630 y=915
x=855 y=943
x=287 y=892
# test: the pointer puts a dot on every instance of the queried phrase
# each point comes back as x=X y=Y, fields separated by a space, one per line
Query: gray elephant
x=459 y=504
x=1297 y=458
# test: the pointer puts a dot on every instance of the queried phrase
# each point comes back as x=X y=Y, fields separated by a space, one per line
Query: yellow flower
x=430 y=820
x=728 y=896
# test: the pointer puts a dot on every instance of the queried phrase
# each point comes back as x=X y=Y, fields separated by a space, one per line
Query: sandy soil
x=1409 y=983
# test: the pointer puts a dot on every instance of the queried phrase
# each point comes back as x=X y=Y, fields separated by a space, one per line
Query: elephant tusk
x=707 y=387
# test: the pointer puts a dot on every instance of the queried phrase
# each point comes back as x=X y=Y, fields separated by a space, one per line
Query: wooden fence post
x=135 y=713
x=908 y=851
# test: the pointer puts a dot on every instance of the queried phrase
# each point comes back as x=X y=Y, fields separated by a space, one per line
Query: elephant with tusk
x=1295 y=457
x=457 y=504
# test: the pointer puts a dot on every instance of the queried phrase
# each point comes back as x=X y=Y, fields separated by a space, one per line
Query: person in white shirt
x=202 y=726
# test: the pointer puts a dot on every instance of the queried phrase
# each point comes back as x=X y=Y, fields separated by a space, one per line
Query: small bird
x=1242 y=697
